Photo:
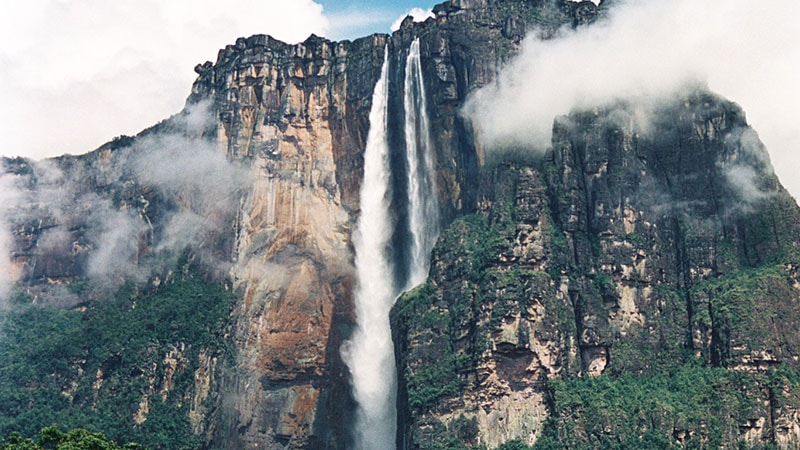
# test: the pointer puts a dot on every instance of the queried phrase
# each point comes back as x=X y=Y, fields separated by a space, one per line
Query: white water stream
x=423 y=202
x=370 y=352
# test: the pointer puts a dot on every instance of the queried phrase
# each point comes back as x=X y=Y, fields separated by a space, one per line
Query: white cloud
x=74 y=74
x=419 y=15
x=747 y=51
x=9 y=196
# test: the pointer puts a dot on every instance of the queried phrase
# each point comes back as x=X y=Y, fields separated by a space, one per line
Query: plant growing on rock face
x=515 y=444
x=428 y=383
x=706 y=404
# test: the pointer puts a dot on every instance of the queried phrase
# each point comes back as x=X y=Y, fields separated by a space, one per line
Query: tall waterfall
x=423 y=208
x=370 y=353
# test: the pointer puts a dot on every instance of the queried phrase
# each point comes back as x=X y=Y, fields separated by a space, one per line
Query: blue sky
x=350 y=19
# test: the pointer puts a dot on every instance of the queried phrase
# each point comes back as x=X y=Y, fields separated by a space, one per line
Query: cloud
x=742 y=168
x=116 y=236
x=75 y=73
x=196 y=177
x=746 y=51
x=74 y=225
x=165 y=192
x=9 y=196
x=419 y=15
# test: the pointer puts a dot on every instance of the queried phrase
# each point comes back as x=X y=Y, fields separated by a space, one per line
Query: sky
x=76 y=73
x=648 y=50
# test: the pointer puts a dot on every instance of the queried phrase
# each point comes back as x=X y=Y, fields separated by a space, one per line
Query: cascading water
x=423 y=208
x=370 y=353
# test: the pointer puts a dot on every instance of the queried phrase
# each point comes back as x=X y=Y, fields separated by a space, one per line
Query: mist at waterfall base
x=647 y=50
x=384 y=272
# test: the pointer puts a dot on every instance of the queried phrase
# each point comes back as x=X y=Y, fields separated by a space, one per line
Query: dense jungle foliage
x=76 y=439
x=124 y=366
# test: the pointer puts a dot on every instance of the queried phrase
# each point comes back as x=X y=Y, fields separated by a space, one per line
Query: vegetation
x=433 y=381
x=95 y=368
x=475 y=244
x=427 y=383
x=76 y=439
x=733 y=310
x=689 y=407
x=679 y=380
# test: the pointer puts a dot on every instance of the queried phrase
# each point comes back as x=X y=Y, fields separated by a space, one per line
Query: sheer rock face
x=608 y=254
x=277 y=132
x=297 y=117
x=462 y=49
x=625 y=248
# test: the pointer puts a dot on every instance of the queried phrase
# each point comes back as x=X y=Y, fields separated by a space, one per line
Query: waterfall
x=370 y=352
x=423 y=208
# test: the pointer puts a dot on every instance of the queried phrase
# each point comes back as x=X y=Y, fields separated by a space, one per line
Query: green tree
x=76 y=439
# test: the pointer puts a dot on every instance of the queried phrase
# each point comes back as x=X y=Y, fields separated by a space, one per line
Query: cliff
x=202 y=272
x=297 y=117
x=256 y=183
x=633 y=254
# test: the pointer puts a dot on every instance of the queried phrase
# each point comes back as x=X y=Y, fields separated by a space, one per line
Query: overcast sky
x=76 y=73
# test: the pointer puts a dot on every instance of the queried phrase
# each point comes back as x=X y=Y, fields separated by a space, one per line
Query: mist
x=649 y=50
x=167 y=191
x=9 y=196
x=195 y=175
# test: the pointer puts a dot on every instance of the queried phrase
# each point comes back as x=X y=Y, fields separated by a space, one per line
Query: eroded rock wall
x=624 y=250
x=296 y=116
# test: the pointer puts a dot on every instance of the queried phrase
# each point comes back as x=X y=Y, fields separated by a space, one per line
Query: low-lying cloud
x=649 y=49
x=9 y=196
x=195 y=175
x=166 y=192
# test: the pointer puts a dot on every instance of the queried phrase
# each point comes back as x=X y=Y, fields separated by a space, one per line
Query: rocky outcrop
x=296 y=116
x=462 y=48
x=626 y=249
x=273 y=135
